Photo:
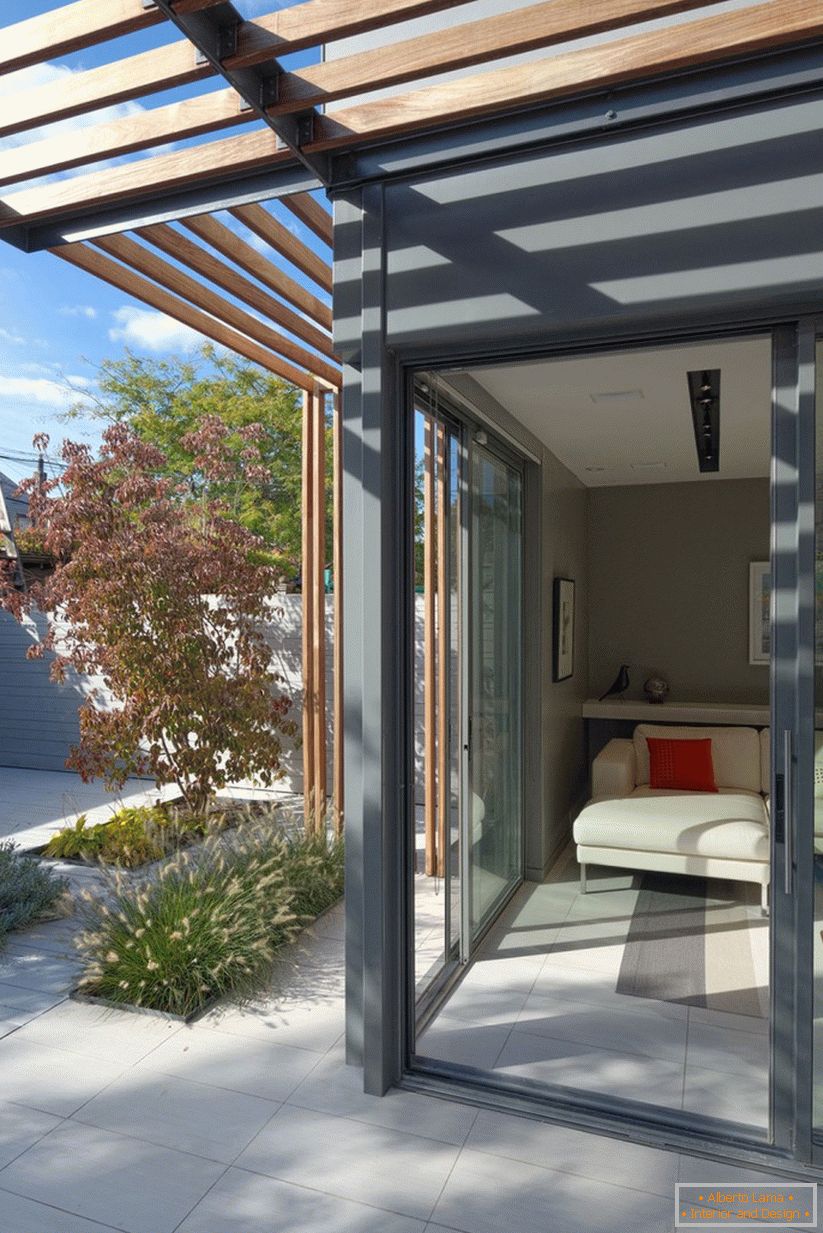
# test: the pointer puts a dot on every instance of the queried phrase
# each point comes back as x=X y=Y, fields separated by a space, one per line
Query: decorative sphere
x=656 y=689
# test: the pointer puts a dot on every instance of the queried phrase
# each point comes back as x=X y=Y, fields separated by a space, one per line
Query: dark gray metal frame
x=378 y=890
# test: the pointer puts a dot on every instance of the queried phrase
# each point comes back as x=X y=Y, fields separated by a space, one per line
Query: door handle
x=788 y=812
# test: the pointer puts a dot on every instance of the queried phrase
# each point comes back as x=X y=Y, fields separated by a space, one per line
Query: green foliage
x=132 y=836
x=30 y=542
x=314 y=868
x=212 y=921
x=166 y=400
x=208 y=925
x=28 y=890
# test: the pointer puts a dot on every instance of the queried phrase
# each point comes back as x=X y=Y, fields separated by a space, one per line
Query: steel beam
x=215 y=33
x=220 y=194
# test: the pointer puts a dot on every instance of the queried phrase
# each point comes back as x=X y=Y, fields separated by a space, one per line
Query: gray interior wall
x=669 y=586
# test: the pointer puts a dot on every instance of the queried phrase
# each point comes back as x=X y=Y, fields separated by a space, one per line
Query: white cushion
x=735 y=752
x=731 y=826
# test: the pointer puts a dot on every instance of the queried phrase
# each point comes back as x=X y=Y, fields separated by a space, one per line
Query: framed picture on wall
x=760 y=599
x=563 y=627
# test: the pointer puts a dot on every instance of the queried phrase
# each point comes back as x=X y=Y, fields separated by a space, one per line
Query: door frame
x=792 y=699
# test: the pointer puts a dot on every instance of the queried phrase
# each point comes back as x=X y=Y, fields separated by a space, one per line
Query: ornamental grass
x=206 y=925
x=210 y=921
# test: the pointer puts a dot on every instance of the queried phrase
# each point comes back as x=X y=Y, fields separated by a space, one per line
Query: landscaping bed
x=140 y=835
x=206 y=922
x=28 y=893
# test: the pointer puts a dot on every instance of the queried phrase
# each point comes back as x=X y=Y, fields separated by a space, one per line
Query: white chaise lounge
x=724 y=834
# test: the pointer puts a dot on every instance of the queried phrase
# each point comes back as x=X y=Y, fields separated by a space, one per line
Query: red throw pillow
x=683 y=766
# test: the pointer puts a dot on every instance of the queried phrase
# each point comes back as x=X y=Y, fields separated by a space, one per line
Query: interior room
x=599 y=920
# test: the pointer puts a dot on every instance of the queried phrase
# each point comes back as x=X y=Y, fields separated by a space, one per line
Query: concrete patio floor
x=249 y=1121
x=35 y=804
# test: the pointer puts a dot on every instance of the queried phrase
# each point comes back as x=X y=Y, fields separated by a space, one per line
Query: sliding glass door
x=494 y=844
x=467 y=843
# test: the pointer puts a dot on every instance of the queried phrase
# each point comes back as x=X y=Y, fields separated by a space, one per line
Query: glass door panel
x=494 y=807
x=437 y=625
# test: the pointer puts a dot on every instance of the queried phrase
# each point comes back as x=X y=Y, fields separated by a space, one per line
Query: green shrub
x=314 y=871
x=132 y=836
x=210 y=923
x=28 y=890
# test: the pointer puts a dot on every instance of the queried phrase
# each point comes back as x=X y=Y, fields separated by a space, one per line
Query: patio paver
x=249 y=1121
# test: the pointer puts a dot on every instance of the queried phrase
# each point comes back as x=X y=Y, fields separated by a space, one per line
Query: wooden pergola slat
x=322 y=21
x=193 y=117
x=337 y=649
x=180 y=284
x=282 y=241
x=249 y=259
x=443 y=785
x=79 y=25
x=146 y=177
x=312 y=214
x=218 y=273
x=765 y=27
x=177 y=64
x=317 y=582
x=476 y=42
x=429 y=644
x=308 y=614
x=86 y=258
x=150 y=71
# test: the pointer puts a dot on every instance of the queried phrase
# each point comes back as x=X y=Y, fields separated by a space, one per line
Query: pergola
x=144 y=219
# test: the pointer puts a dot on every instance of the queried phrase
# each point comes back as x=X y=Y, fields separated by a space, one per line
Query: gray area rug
x=693 y=941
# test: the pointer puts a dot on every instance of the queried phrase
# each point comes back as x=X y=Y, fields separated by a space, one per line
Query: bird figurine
x=619 y=685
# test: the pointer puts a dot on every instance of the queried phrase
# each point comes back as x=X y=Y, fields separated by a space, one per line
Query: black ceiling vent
x=704 y=392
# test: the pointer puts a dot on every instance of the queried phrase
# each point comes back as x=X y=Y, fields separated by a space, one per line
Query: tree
x=160 y=592
x=165 y=400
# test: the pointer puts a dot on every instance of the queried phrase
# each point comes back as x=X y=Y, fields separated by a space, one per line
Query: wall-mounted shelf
x=638 y=711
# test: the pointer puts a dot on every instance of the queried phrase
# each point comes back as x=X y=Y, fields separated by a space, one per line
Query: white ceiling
x=625 y=417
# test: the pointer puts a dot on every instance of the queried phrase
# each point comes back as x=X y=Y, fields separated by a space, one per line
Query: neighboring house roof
x=7 y=513
x=14 y=505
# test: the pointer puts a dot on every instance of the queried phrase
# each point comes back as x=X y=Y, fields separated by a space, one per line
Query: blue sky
x=57 y=323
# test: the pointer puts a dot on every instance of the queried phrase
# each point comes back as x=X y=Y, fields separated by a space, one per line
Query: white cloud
x=10 y=337
x=152 y=331
x=78 y=310
x=42 y=391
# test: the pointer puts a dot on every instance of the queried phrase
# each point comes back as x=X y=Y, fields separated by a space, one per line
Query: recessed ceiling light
x=595 y=468
x=618 y=396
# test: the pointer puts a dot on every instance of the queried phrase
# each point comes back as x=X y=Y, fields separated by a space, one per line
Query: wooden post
x=307 y=593
x=443 y=784
x=318 y=464
x=429 y=733
x=337 y=568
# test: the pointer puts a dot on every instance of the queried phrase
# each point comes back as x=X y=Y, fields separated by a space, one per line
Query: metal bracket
x=215 y=33
x=227 y=40
x=149 y=4
x=305 y=127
